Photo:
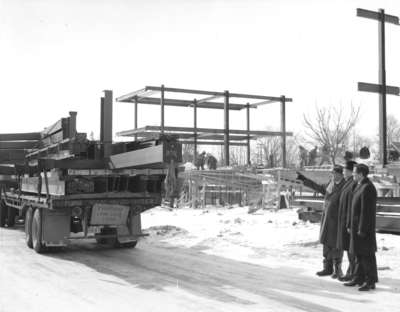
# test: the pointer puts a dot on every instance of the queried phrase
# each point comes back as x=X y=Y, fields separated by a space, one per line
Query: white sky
x=57 y=56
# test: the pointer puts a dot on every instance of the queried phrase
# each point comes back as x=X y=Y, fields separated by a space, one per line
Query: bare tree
x=393 y=129
x=330 y=128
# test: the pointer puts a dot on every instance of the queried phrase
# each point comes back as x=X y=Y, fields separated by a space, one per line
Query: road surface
x=156 y=276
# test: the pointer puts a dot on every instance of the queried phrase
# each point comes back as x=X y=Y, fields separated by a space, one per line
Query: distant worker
x=312 y=155
x=332 y=257
x=201 y=158
x=362 y=230
x=211 y=162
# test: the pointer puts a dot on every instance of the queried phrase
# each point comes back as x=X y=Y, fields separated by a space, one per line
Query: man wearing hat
x=329 y=223
x=362 y=230
x=343 y=238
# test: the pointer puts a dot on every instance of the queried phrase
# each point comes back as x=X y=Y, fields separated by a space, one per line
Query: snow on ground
x=266 y=237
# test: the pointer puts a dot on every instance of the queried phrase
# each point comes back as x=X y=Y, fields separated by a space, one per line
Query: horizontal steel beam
x=212 y=143
x=176 y=131
x=190 y=91
x=202 y=92
x=183 y=103
x=128 y=97
x=377 y=16
x=18 y=144
x=376 y=88
x=31 y=136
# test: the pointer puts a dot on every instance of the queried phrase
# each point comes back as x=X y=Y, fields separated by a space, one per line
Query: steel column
x=195 y=130
x=226 y=127
x=162 y=108
x=382 y=96
x=248 y=133
x=136 y=115
x=283 y=129
x=107 y=122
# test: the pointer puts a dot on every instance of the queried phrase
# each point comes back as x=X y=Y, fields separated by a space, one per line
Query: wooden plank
x=18 y=144
x=376 y=88
x=146 y=156
x=377 y=16
x=28 y=136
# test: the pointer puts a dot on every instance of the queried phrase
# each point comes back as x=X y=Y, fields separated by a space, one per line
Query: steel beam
x=107 y=122
x=128 y=97
x=283 y=129
x=31 y=136
x=178 y=130
x=248 y=131
x=226 y=127
x=212 y=143
x=195 y=130
x=162 y=107
x=136 y=115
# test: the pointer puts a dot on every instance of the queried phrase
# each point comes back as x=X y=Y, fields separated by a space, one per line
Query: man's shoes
x=325 y=272
x=353 y=282
x=345 y=278
x=367 y=286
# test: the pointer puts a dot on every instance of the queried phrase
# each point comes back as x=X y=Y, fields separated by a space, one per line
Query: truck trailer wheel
x=28 y=227
x=37 y=231
x=3 y=213
x=11 y=213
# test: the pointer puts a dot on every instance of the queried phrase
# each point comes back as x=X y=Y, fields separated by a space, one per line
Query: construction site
x=160 y=216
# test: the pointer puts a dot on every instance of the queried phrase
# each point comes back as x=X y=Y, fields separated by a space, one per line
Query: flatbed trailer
x=109 y=217
x=63 y=187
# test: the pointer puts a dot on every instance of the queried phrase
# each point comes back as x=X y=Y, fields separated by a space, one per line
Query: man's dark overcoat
x=343 y=239
x=329 y=221
x=363 y=219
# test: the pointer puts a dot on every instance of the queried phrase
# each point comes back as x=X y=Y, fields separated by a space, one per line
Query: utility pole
x=380 y=88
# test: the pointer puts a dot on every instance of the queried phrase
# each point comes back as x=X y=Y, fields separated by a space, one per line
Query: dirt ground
x=158 y=276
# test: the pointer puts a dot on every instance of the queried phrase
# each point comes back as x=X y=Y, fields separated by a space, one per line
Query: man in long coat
x=362 y=230
x=329 y=223
x=343 y=238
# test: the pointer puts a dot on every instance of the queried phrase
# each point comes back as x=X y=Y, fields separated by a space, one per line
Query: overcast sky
x=58 y=56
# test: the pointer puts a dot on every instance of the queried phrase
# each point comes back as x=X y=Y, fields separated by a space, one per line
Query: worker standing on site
x=332 y=257
x=343 y=237
x=200 y=160
x=361 y=227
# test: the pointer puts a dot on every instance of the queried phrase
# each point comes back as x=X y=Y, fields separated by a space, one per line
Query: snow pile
x=267 y=237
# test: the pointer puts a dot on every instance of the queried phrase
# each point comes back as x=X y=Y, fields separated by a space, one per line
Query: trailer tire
x=11 y=213
x=28 y=227
x=37 y=221
x=3 y=213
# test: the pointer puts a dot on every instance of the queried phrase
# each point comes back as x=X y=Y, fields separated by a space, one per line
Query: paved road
x=159 y=277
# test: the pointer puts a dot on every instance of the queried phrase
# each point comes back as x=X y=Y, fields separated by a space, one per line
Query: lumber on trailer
x=153 y=155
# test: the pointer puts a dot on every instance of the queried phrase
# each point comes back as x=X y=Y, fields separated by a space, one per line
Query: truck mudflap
x=107 y=214
x=56 y=227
